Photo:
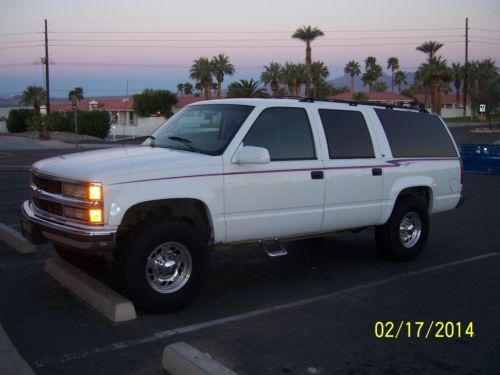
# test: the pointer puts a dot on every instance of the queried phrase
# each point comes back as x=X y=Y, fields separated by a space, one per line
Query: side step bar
x=275 y=249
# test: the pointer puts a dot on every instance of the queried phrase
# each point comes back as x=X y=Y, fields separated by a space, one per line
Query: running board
x=274 y=250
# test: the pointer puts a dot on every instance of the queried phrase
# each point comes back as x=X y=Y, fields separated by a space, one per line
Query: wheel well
x=421 y=192
x=191 y=211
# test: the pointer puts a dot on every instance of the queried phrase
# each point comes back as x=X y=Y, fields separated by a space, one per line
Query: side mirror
x=252 y=155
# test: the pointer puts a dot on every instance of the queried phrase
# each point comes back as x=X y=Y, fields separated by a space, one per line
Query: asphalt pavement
x=325 y=308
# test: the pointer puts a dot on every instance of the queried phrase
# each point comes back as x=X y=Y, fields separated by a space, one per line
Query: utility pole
x=466 y=67
x=46 y=61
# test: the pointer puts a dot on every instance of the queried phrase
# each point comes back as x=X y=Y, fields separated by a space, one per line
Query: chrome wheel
x=169 y=267
x=410 y=229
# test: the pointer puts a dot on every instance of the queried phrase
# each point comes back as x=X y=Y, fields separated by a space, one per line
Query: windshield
x=206 y=128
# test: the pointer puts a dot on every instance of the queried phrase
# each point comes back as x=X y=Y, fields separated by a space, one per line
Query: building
x=124 y=121
x=379 y=97
x=450 y=107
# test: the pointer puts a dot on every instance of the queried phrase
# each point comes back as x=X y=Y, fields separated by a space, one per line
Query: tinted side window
x=284 y=132
x=412 y=134
x=347 y=134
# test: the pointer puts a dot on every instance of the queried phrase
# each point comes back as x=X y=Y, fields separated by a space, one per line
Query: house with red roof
x=124 y=119
x=450 y=106
x=379 y=97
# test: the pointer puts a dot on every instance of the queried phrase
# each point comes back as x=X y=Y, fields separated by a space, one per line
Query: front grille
x=47 y=184
x=50 y=207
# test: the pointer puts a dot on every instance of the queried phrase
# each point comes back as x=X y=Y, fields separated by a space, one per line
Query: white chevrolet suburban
x=235 y=171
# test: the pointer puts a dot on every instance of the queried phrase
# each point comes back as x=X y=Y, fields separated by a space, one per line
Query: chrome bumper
x=88 y=240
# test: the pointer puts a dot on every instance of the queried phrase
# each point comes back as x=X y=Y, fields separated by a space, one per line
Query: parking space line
x=247 y=315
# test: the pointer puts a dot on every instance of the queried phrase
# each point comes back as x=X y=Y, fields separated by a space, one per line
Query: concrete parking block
x=11 y=363
x=16 y=240
x=105 y=300
x=183 y=359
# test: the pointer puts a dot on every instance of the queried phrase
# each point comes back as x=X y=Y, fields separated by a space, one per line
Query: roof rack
x=354 y=104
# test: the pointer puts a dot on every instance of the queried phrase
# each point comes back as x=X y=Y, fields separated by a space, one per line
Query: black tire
x=405 y=234
x=164 y=265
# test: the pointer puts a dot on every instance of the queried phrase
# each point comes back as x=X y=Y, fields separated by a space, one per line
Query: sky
x=115 y=48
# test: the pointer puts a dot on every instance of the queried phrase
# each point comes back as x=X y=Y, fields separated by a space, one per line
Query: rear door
x=354 y=172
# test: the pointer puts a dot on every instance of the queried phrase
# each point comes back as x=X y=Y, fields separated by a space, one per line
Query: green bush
x=60 y=122
x=17 y=121
x=93 y=123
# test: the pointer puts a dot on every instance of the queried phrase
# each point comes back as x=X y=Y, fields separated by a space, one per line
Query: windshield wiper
x=152 y=142
x=186 y=142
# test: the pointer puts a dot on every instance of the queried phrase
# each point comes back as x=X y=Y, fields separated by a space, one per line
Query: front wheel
x=405 y=234
x=165 y=265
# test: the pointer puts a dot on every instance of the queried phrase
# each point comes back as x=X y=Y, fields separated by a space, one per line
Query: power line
x=488 y=30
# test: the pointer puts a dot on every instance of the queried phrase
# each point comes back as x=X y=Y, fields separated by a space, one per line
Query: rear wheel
x=405 y=234
x=165 y=265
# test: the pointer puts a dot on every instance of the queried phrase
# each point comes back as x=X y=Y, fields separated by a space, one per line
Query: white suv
x=234 y=171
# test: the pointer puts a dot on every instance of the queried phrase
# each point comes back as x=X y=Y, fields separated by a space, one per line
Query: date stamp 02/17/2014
x=423 y=330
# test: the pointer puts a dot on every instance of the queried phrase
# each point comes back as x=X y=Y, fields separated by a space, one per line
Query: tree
x=319 y=73
x=246 y=89
x=373 y=72
x=360 y=97
x=392 y=64
x=33 y=96
x=483 y=83
x=271 y=75
x=400 y=79
x=201 y=70
x=188 y=89
x=353 y=69
x=17 y=122
x=458 y=75
x=380 y=86
x=435 y=74
x=76 y=93
x=180 y=88
x=307 y=34
x=300 y=78
x=288 y=76
x=153 y=102
x=430 y=48
x=221 y=66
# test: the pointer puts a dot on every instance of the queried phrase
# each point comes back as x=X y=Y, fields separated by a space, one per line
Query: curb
x=105 y=300
x=183 y=359
x=16 y=240
x=11 y=362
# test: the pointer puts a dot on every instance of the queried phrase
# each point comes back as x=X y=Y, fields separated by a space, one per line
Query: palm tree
x=246 y=89
x=307 y=34
x=201 y=70
x=319 y=72
x=221 y=66
x=76 y=93
x=271 y=74
x=435 y=74
x=400 y=79
x=300 y=78
x=392 y=64
x=188 y=89
x=288 y=77
x=430 y=48
x=373 y=72
x=33 y=96
x=180 y=88
x=353 y=69
x=457 y=79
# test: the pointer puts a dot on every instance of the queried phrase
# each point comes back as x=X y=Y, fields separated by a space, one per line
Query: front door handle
x=377 y=171
x=317 y=175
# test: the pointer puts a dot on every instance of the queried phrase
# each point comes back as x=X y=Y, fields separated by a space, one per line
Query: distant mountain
x=345 y=80
x=10 y=102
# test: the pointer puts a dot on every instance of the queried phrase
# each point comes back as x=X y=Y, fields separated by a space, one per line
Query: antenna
x=126 y=115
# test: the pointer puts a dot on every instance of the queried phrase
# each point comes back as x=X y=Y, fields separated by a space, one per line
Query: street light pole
x=74 y=102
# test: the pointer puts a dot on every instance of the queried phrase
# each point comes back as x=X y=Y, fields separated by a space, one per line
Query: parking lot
x=314 y=311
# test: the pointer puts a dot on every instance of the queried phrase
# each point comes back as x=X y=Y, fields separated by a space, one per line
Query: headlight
x=88 y=192
x=93 y=215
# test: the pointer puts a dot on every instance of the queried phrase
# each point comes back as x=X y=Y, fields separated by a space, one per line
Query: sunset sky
x=99 y=45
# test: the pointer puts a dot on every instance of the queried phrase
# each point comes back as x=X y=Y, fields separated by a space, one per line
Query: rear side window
x=413 y=135
x=285 y=132
x=347 y=134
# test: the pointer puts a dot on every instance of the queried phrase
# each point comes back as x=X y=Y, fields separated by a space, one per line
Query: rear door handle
x=377 y=171
x=317 y=175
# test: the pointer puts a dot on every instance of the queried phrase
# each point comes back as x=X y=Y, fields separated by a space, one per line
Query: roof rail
x=354 y=104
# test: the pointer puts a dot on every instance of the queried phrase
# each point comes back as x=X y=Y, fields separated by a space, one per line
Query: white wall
x=3 y=127
x=145 y=126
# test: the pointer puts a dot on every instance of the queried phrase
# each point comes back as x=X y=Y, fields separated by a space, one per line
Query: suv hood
x=117 y=165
